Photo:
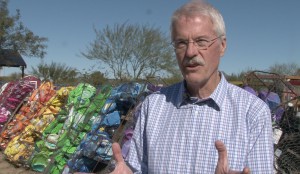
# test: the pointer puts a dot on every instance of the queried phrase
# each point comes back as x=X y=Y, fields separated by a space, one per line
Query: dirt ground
x=7 y=168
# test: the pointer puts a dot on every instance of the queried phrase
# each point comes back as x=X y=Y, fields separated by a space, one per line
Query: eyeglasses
x=201 y=44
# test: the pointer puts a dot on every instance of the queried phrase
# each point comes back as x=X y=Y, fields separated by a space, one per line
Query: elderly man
x=203 y=124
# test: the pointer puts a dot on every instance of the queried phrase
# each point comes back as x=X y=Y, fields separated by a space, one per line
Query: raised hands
x=222 y=165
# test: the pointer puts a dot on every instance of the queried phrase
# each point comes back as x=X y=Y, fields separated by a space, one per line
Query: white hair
x=199 y=7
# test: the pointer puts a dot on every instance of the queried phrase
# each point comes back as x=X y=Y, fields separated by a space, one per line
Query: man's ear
x=223 y=46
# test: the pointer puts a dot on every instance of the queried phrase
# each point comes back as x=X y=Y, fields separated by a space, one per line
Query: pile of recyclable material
x=283 y=99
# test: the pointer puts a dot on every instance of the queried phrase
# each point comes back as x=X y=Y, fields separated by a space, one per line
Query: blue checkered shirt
x=176 y=134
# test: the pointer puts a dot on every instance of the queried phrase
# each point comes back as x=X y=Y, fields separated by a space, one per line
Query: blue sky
x=260 y=33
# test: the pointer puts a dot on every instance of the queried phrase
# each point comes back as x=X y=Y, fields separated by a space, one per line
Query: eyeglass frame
x=186 y=43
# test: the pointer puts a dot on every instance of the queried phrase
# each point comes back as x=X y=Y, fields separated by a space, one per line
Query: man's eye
x=181 y=43
x=201 y=42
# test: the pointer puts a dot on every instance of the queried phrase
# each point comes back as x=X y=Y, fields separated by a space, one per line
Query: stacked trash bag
x=13 y=94
x=51 y=129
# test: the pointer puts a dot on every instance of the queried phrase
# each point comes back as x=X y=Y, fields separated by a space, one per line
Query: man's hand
x=223 y=166
x=121 y=167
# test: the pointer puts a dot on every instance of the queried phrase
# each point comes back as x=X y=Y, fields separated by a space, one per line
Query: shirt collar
x=215 y=99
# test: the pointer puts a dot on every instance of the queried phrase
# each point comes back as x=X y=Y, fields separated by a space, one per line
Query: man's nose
x=191 y=49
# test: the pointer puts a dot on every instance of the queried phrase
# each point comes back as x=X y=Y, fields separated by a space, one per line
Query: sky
x=260 y=33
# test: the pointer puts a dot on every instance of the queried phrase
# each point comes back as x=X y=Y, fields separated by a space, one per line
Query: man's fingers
x=121 y=166
x=221 y=150
x=222 y=166
x=117 y=152
x=246 y=170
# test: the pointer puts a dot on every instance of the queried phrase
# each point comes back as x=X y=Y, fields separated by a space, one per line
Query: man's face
x=196 y=65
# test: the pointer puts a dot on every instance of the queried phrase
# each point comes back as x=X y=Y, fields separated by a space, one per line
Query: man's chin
x=193 y=78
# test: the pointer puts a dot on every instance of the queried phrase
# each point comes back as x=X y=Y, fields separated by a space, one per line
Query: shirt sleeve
x=137 y=158
x=261 y=156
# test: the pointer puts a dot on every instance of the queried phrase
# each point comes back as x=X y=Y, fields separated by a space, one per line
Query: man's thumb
x=117 y=152
x=221 y=150
x=222 y=166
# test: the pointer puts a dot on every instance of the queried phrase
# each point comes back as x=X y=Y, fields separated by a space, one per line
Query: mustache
x=194 y=61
